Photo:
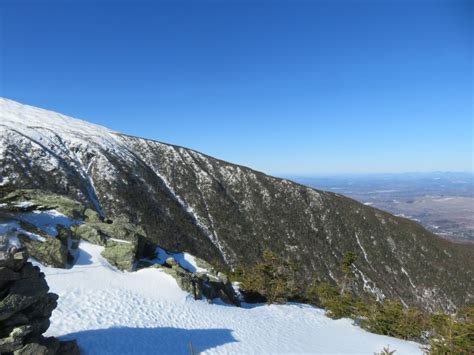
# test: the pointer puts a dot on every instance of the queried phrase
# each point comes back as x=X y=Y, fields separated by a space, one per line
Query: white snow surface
x=145 y=312
x=31 y=120
x=185 y=260
x=48 y=220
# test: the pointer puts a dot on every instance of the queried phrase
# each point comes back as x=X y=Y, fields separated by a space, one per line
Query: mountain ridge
x=226 y=213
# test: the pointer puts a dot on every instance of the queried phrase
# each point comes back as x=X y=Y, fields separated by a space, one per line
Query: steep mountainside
x=229 y=214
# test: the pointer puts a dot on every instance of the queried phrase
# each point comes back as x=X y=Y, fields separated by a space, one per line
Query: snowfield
x=145 y=312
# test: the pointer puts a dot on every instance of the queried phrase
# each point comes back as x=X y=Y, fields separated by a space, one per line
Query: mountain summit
x=227 y=214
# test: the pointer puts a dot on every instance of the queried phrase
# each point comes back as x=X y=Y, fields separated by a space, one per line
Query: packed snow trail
x=145 y=312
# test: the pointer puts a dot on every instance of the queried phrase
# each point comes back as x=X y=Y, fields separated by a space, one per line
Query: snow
x=185 y=260
x=29 y=119
x=11 y=229
x=362 y=248
x=24 y=204
x=145 y=312
x=408 y=276
x=47 y=221
x=4 y=180
x=120 y=241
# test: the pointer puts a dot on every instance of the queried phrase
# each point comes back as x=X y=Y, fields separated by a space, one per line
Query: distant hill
x=443 y=202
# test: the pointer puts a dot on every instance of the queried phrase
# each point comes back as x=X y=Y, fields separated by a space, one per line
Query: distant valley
x=443 y=202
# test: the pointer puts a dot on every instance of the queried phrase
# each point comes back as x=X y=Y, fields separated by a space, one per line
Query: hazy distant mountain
x=228 y=214
x=443 y=202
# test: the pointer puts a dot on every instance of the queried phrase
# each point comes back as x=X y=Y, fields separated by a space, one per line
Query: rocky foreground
x=25 y=308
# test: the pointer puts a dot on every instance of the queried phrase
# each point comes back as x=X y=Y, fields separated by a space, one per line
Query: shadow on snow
x=149 y=340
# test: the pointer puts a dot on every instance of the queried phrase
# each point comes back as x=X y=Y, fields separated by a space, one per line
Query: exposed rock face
x=227 y=214
x=210 y=284
x=25 y=308
x=51 y=252
x=120 y=254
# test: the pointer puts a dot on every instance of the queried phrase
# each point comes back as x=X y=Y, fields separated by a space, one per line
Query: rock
x=186 y=280
x=50 y=252
x=46 y=201
x=121 y=255
x=25 y=308
x=75 y=244
x=121 y=228
x=64 y=234
x=68 y=348
x=223 y=277
x=16 y=319
x=203 y=264
x=10 y=344
x=44 y=346
x=21 y=331
x=22 y=293
x=29 y=271
x=88 y=232
x=33 y=349
x=7 y=275
x=201 y=284
x=14 y=262
x=143 y=264
x=171 y=262
x=91 y=216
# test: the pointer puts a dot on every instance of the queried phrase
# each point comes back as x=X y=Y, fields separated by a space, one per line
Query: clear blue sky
x=285 y=87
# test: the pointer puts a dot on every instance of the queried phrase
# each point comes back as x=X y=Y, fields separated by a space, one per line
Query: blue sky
x=285 y=87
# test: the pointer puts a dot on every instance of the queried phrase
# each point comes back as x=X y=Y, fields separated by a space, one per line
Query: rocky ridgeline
x=25 y=308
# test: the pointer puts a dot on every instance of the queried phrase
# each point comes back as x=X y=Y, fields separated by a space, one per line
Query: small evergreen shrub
x=272 y=280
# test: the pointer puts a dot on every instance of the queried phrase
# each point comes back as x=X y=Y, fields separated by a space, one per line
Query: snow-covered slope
x=226 y=214
x=145 y=312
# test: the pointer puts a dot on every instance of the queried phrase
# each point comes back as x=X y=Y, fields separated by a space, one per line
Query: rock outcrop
x=202 y=284
x=122 y=239
x=25 y=308
x=209 y=284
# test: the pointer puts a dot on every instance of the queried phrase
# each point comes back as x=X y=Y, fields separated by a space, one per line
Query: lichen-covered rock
x=119 y=228
x=120 y=238
x=201 y=284
x=22 y=294
x=120 y=254
x=91 y=216
x=98 y=232
x=33 y=349
x=51 y=252
x=89 y=232
x=64 y=234
x=46 y=201
x=203 y=264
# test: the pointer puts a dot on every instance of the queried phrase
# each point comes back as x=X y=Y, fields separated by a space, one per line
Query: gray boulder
x=25 y=308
